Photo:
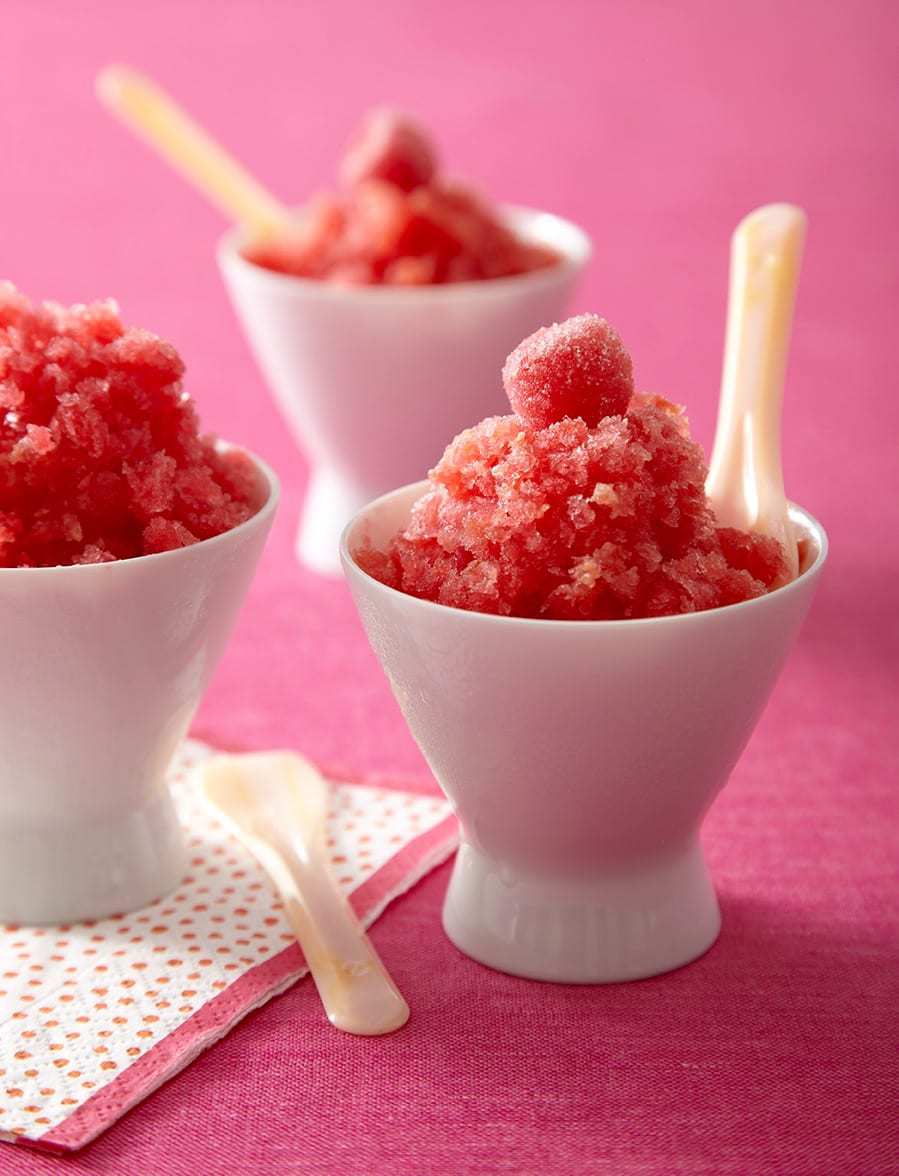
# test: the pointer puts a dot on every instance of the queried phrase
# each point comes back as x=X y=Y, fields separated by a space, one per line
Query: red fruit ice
x=578 y=368
x=311 y=244
x=100 y=452
x=389 y=146
x=398 y=223
x=574 y=520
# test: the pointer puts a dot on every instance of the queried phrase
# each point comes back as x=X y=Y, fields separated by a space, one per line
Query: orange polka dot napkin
x=95 y=1016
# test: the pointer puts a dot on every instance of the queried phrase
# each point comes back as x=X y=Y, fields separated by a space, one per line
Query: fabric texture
x=655 y=126
x=95 y=1016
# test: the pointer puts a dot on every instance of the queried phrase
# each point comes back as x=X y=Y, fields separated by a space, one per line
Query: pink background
x=656 y=126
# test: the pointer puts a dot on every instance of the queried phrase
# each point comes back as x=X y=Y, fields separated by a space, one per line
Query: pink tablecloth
x=656 y=126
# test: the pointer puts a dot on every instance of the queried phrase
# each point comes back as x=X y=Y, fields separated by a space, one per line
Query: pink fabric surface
x=656 y=126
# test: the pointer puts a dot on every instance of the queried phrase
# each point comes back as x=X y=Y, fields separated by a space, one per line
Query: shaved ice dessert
x=587 y=503
x=398 y=222
x=101 y=457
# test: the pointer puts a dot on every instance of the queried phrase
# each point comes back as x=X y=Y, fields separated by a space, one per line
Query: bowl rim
x=572 y=261
x=259 y=518
x=798 y=514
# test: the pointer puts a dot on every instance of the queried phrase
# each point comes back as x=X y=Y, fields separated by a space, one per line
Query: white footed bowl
x=373 y=381
x=581 y=758
x=101 y=669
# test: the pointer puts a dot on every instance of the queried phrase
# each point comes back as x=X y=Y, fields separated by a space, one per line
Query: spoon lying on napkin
x=277 y=804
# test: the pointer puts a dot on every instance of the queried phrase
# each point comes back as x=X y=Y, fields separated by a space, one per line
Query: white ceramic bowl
x=101 y=669
x=581 y=758
x=373 y=381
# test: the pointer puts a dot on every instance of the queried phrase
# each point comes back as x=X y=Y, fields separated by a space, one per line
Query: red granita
x=389 y=146
x=568 y=520
x=576 y=368
x=100 y=452
x=397 y=222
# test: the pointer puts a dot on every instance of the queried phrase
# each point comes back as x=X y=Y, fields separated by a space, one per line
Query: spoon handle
x=745 y=482
x=356 y=989
x=149 y=111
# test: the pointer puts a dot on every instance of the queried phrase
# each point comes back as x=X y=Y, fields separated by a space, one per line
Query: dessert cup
x=581 y=758
x=372 y=380
x=103 y=667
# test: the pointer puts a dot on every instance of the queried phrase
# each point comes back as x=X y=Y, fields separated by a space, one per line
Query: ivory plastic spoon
x=745 y=483
x=148 y=110
x=277 y=804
